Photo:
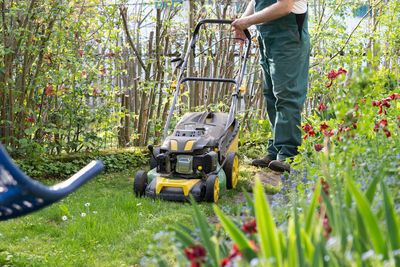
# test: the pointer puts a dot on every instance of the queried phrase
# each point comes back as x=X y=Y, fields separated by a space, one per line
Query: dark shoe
x=279 y=166
x=261 y=162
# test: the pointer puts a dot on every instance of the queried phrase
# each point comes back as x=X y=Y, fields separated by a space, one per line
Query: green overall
x=285 y=49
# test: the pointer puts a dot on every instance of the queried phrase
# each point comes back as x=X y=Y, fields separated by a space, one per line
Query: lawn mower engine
x=189 y=161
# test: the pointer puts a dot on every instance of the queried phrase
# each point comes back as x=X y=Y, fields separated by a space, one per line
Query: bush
x=60 y=167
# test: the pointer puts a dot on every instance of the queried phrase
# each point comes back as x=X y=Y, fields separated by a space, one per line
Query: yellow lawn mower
x=200 y=157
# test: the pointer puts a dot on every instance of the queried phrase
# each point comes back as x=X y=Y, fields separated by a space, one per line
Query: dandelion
x=64 y=218
x=83 y=214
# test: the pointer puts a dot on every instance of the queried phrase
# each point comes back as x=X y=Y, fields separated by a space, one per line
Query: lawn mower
x=200 y=158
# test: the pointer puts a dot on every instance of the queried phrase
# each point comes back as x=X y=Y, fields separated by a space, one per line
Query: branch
x=128 y=35
x=351 y=34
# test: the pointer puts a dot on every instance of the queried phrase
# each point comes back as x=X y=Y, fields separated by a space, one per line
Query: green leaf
x=372 y=188
x=183 y=237
x=312 y=208
x=298 y=237
x=205 y=232
x=249 y=202
x=391 y=222
x=270 y=246
x=236 y=234
x=369 y=218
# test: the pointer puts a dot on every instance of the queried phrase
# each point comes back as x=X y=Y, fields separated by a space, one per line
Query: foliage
x=60 y=167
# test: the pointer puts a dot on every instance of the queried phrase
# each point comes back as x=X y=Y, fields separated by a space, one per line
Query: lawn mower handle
x=182 y=79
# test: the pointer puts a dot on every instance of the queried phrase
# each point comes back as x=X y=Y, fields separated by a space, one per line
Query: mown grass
x=106 y=225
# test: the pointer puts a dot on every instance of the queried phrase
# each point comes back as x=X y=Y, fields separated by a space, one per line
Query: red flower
x=321 y=107
x=306 y=128
x=333 y=75
x=95 y=91
x=395 y=96
x=363 y=100
x=376 y=103
x=385 y=103
x=59 y=126
x=103 y=71
x=250 y=226
x=341 y=71
x=312 y=133
x=195 y=254
x=383 y=123
x=80 y=53
x=225 y=262
x=83 y=73
x=354 y=125
x=323 y=126
x=49 y=90
x=318 y=147
x=328 y=134
x=30 y=120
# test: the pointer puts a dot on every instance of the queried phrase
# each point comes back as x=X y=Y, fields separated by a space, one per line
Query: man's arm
x=272 y=12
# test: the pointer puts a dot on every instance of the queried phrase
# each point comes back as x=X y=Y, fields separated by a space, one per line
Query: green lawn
x=106 y=225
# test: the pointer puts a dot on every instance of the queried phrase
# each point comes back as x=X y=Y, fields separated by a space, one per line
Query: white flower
x=64 y=218
x=95 y=212
x=87 y=204
x=83 y=214
x=367 y=254
x=139 y=204
x=1 y=235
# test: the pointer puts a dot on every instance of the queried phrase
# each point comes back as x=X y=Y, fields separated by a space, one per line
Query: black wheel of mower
x=140 y=183
x=153 y=161
x=212 y=188
x=231 y=169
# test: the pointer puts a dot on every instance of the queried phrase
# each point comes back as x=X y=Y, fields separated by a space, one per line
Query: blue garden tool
x=20 y=195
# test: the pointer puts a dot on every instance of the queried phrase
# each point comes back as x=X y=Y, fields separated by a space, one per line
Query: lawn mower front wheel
x=212 y=188
x=231 y=169
x=140 y=183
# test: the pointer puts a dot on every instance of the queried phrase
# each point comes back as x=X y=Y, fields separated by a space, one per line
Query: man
x=285 y=50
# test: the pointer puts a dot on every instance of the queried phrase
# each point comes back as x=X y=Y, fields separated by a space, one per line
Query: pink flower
x=83 y=73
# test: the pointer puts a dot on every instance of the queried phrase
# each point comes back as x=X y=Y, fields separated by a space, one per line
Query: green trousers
x=285 y=50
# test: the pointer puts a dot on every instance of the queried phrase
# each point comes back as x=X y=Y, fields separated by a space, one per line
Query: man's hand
x=239 y=25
